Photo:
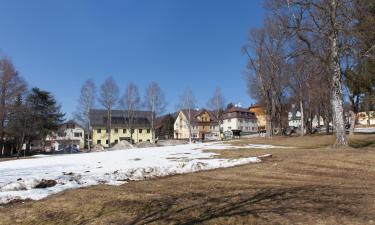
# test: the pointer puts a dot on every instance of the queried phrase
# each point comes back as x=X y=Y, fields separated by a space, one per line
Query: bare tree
x=86 y=103
x=187 y=101
x=155 y=102
x=109 y=94
x=130 y=103
x=266 y=74
x=328 y=21
x=11 y=87
x=217 y=103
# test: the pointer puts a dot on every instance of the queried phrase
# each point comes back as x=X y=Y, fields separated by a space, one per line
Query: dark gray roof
x=98 y=117
x=236 y=112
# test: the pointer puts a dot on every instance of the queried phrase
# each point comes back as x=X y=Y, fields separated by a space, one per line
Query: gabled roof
x=195 y=113
x=98 y=117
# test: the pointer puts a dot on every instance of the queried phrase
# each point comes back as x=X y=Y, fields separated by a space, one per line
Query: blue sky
x=57 y=45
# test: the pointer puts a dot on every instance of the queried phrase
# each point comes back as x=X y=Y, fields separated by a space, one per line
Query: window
x=148 y=131
x=98 y=142
x=77 y=134
x=99 y=131
x=148 y=140
x=132 y=130
x=116 y=141
x=140 y=140
x=116 y=130
x=123 y=131
x=140 y=131
x=106 y=141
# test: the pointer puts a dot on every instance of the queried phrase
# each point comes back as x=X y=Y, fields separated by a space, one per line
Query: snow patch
x=19 y=178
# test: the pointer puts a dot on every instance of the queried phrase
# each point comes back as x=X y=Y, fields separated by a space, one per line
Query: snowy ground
x=19 y=178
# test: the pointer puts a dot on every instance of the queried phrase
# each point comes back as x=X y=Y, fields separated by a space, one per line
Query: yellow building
x=140 y=128
x=260 y=114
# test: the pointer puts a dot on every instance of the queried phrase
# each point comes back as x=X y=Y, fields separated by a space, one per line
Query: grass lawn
x=309 y=184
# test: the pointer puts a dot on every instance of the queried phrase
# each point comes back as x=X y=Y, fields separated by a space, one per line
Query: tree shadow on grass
x=197 y=208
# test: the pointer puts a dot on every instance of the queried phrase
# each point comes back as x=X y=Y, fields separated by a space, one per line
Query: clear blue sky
x=57 y=45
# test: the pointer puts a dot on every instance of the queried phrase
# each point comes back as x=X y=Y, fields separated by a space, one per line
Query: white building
x=239 y=119
x=68 y=134
x=363 y=118
x=294 y=119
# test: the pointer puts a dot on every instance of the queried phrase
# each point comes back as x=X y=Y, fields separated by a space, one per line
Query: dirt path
x=305 y=185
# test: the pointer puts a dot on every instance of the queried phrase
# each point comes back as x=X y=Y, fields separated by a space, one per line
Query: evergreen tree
x=45 y=113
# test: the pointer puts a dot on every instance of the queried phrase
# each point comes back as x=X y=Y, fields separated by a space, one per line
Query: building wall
x=245 y=125
x=77 y=134
x=120 y=133
x=363 y=118
x=261 y=116
x=181 y=128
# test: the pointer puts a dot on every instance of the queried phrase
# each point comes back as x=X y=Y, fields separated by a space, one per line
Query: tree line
x=25 y=114
x=109 y=98
x=317 y=54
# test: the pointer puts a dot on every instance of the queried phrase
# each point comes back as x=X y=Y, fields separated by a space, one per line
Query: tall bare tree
x=154 y=102
x=11 y=87
x=216 y=104
x=131 y=103
x=108 y=98
x=328 y=21
x=187 y=102
x=267 y=70
x=86 y=103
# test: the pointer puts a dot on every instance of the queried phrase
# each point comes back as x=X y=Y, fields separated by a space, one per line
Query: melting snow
x=19 y=178
x=220 y=146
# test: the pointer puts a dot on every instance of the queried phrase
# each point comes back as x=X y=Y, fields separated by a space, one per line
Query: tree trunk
x=336 y=98
x=302 y=118
x=88 y=136
x=269 y=125
x=368 y=117
x=152 y=128
x=189 y=125
x=353 y=117
x=109 y=114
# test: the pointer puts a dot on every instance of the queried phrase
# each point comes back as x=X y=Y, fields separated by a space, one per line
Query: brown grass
x=310 y=184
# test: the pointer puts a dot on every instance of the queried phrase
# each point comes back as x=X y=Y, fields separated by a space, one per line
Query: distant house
x=239 y=119
x=260 y=114
x=294 y=118
x=204 y=125
x=141 y=127
x=366 y=119
x=68 y=134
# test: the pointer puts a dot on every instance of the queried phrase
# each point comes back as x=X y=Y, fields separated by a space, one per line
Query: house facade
x=68 y=134
x=365 y=118
x=204 y=125
x=260 y=115
x=294 y=118
x=239 y=119
x=139 y=131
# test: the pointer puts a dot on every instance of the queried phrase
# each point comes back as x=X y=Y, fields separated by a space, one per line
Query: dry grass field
x=309 y=184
